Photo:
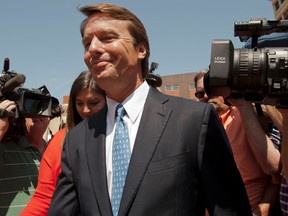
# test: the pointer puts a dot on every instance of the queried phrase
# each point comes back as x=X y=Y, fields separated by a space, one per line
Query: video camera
x=153 y=79
x=255 y=74
x=30 y=103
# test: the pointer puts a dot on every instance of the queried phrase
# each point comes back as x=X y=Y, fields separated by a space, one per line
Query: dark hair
x=199 y=75
x=16 y=129
x=136 y=28
x=83 y=81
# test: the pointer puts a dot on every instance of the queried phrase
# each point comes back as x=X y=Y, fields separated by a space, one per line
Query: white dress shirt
x=133 y=105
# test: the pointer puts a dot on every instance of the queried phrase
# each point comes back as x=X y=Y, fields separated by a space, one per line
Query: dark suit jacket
x=181 y=164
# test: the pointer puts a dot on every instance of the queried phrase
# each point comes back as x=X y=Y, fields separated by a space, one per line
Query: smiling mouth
x=99 y=67
x=100 y=63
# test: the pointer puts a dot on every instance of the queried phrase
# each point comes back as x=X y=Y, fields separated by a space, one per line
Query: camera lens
x=33 y=106
x=249 y=70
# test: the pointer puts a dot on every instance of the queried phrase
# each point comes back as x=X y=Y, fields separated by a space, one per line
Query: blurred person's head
x=36 y=126
x=32 y=128
x=200 y=93
x=218 y=102
x=85 y=99
x=34 y=131
x=116 y=49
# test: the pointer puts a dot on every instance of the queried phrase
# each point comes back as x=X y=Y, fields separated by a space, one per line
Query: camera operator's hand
x=280 y=119
x=8 y=106
x=219 y=104
x=278 y=116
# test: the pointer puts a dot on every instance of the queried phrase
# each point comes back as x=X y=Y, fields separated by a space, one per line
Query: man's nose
x=96 y=45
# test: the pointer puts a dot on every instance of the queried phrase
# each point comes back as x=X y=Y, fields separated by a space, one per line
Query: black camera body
x=255 y=74
x=30 y=103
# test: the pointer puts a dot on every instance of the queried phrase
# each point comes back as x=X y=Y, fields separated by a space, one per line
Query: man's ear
x=141 y=51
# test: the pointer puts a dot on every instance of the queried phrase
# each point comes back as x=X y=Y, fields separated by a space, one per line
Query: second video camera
x=256 y=74
x=30 y=103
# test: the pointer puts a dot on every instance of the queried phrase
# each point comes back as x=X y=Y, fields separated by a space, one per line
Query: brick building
x=280 y=9
x=181 y=85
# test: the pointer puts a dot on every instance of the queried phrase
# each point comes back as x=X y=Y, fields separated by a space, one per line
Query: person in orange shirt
x=256 y=156
x=86 y=98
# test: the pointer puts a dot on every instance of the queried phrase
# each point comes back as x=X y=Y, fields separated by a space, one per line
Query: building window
x=191 y=86
x=171 y=87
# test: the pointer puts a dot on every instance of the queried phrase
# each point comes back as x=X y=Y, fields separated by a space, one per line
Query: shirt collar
x=223 y=117
x=133 y=104
x=23 y=143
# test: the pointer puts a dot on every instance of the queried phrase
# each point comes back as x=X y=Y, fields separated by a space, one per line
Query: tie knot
x=120 y=111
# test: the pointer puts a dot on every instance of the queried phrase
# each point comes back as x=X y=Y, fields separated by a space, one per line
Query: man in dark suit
x=181 y=162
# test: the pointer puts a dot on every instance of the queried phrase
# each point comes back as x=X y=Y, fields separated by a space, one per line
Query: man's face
x=200 y=91
x=110 y=51
x=37 y=125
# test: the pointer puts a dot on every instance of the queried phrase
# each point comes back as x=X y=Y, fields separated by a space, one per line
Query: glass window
x=171 y=87
x=192 y=86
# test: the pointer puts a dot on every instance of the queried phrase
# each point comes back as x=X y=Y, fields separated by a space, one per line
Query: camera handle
x=263 y=120
x=4 y=113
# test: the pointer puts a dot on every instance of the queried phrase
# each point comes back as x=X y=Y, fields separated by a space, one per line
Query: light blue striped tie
x=120 y=158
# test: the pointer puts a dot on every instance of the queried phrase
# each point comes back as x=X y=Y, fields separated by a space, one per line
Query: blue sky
x=42 y=39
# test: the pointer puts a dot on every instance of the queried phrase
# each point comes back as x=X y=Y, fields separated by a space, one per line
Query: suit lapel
x=153 y=121
x=96 y=158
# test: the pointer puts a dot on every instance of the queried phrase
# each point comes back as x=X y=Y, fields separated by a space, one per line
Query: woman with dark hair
x=86 y=98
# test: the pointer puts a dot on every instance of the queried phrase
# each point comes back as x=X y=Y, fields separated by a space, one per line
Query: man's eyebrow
x=100 y=32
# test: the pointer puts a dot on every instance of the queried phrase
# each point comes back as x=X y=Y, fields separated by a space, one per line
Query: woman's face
x=88 y=102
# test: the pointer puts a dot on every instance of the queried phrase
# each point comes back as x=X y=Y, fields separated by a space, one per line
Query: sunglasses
x=200 y=94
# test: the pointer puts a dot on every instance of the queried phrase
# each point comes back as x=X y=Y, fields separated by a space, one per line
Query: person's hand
x=262 y=209
x=219 y=104
x=279 y=116
x=4 y=121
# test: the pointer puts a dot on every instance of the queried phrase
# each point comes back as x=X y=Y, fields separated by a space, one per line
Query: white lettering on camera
x=220 y=59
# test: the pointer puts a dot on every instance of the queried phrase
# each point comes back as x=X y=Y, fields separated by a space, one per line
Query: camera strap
x=264 y=121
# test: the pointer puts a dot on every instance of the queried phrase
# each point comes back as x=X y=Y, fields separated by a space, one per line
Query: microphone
x=14 y=82
x=6 y=64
